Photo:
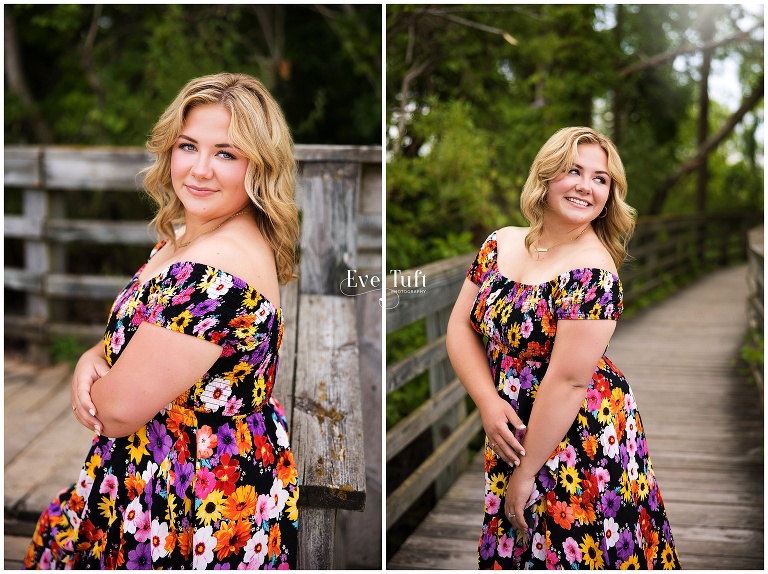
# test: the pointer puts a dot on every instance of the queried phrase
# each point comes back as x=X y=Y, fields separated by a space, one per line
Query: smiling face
x=579 y=194
x=207 y=171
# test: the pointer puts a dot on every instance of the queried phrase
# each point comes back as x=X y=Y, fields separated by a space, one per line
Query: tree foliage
x=102 y=74
x=473 y=91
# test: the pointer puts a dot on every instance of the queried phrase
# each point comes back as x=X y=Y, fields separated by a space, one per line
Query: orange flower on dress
x=232 y=537
x=274 y=541
x=590 y=445
x=243 y=438
x=562 y=514
x=583 y=510
x=185 y=541
x=241 y=504
x=134 y=485
x=286 y=468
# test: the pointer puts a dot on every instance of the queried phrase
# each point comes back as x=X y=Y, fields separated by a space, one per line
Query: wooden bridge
x=703 y=419
x=330 y=355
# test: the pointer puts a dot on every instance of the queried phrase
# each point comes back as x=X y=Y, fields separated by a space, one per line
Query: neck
x=551 y=235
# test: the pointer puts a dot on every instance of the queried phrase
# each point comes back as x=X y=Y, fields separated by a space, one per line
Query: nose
x=201 y=169
x=584 y=186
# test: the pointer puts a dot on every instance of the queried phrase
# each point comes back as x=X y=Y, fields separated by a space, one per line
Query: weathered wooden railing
x=339 y=195
x=666 y=251
x=755 y=309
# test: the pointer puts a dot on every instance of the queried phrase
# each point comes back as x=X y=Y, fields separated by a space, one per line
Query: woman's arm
x=90 y=367
x=579 y=345
x=157 y=366
x=467 y=355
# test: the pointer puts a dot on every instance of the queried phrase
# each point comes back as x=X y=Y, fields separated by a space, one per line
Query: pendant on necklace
x=541 y=249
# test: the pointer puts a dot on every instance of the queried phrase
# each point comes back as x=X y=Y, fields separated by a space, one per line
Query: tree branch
x=659 y=58
x=708 y=146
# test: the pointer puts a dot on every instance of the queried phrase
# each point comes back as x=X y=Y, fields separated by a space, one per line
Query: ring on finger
x=74 y=408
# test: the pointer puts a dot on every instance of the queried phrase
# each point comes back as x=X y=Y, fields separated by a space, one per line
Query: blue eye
x=226 y=155
x=186 y=146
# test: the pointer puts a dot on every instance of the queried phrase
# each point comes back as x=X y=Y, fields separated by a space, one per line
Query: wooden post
x=37 y=263
x=327 y=415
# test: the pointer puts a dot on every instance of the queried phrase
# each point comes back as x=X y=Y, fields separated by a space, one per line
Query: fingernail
x=97 y=428
x=522 y=453
x=517 y=463
x=522 y=426
x=93 y=412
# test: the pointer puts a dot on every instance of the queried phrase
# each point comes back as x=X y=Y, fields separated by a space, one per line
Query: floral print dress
x=210 y=481
x=596 y=503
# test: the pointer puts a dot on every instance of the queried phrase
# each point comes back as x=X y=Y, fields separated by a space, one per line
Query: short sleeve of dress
x=205 y=302
x=483 y=262
x=589 y=294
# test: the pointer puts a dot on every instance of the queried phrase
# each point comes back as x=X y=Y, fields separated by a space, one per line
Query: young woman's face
x=579 y=194
x=207 y=171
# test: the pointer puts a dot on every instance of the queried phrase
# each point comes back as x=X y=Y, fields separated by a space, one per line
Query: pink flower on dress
x=506 y=545
x=206 y=482
x=264 y=506
x=593 y=400
x=492 y=503
x=206 y=441
x=603 y=476
x=572 y=551
x=118 y=340
x=109 y=485
x=569 y=456
x=526 y=328
x=539 y=546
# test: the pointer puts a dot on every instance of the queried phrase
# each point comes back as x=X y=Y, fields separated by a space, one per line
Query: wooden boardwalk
x=704 y=425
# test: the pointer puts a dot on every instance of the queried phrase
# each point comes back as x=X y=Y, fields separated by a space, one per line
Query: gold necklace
x=215 y=228
x=544 y=250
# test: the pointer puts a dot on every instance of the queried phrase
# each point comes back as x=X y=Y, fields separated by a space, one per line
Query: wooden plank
x=105 y=168
x=306 y=153
x=416 y=363
x=327 y=421
x=100 y=232
x=443 y=283
x=317 y=533
x=413 y=486
x=328 y=246
x=22 y=166
x=405 y=431
x=85 y=286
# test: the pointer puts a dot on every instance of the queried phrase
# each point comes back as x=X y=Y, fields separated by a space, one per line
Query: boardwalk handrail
x=665 y=251
x=755 y=308
x=319 y=369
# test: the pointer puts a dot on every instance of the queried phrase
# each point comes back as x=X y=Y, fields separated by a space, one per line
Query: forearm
x=556 y=406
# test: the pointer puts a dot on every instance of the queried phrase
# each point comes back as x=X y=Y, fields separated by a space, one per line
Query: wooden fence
x=666 y=251
x=339 y=196
x=755 y=309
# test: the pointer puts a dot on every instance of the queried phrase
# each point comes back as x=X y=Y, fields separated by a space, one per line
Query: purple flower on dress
x=227 y=442
x=160 y=441
x=205 y=307
x=184 y=474
x=222 y=566
x=487 y=546
x=526 y=378
x=256 y=423
x=611 y=503
x=625 y=546
x=546 y=479
x=653 y=499
x=667 y=530
x=140 y=558
x=181 y=271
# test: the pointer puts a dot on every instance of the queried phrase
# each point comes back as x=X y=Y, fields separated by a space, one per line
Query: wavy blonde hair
x=558 y=154
x=259 y=130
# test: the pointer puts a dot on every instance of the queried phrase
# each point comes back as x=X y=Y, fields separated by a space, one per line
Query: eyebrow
x=194 y=141
x=602 y=172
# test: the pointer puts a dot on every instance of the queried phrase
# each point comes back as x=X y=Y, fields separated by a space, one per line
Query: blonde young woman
x=569 y=483
x=191 y=465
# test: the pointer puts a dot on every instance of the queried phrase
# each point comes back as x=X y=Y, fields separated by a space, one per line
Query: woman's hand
x=497 y=414
x=89 y=369
x=519 y=488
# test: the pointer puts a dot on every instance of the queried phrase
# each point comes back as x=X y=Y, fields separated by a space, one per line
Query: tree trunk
x=702 y=176
x=16 y=82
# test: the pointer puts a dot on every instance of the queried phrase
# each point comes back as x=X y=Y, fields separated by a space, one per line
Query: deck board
x=704 y=426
